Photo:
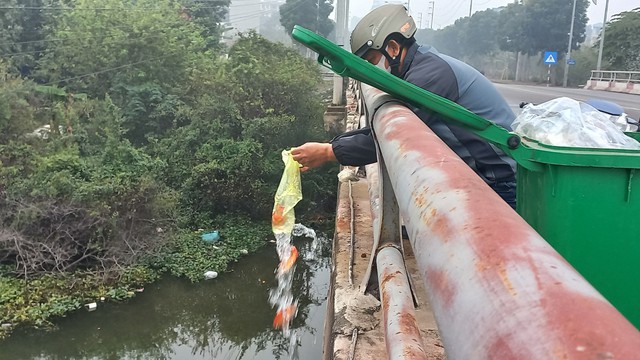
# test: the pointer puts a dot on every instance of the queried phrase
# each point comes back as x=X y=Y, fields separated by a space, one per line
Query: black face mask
x=394 y=62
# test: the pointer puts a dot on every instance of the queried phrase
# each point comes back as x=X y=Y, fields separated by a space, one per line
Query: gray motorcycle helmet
x=374 y=29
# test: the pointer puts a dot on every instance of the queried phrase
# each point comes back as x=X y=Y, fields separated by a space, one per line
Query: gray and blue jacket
x=452 y=79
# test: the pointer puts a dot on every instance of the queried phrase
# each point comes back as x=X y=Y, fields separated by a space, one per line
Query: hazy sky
x=447 y=11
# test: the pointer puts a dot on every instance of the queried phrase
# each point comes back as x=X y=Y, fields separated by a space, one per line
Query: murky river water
x=225 y=318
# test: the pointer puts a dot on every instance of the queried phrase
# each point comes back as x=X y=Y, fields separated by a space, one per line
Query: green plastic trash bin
x=584 y=202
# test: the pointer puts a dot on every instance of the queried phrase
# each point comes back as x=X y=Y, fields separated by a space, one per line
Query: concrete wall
x=615 y=86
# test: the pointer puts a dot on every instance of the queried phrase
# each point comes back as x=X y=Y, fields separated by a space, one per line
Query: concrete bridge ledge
x=349 y=307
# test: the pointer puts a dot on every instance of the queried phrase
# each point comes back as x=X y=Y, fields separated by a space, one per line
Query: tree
x=511 y=28
x=539 y=25
x=312 y=14
x=265 y=101
x=209 y=15
x=124 y=43
x=271 y=28
x=622 y=41
x=274 y=79
x=16 y=115
x=586 y=58
x=447 y=40
x=22 y=38
x=480 y=35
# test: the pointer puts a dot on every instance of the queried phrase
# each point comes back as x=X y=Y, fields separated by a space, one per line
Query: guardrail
x=497 y=289
x=617 y=81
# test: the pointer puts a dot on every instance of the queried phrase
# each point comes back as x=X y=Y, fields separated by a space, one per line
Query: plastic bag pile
x=567 y=122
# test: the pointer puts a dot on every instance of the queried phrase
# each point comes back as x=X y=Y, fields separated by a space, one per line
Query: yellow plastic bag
x=289 y=193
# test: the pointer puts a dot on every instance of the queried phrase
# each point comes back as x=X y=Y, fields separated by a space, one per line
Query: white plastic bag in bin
x=567 y=122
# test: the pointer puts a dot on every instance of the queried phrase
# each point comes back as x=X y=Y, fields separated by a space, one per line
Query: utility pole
x=420 y=27
x=566 y=63
x=341 y=36
x=431 y=9
x=470 y=7
x=604 y=25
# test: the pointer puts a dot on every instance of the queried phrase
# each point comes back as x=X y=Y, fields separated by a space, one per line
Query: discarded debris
x=210 y=275
x=211 y=237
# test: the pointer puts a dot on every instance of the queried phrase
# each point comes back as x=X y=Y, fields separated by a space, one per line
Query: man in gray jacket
x=385 y=37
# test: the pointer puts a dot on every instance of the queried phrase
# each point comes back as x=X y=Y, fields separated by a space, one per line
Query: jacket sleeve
x=355 y=148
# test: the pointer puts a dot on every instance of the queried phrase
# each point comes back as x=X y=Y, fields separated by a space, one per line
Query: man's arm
x=353 y=148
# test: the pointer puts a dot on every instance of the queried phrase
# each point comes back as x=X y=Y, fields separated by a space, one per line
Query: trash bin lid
x=606 y=107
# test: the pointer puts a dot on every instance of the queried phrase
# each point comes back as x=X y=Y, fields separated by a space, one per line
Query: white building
x=263 y=16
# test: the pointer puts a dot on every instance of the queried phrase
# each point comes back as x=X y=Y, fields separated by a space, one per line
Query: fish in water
x=287 y=264
x=277 y=218
x=284 y=316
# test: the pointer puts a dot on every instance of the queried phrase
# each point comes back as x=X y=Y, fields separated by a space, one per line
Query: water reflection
x=226 y=318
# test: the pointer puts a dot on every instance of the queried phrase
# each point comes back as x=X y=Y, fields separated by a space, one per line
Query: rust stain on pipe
x=441 y=286
x=389 y=277
x=505 y=280
x=402 y=334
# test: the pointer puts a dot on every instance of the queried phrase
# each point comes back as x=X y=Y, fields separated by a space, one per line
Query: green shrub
x=189 y=256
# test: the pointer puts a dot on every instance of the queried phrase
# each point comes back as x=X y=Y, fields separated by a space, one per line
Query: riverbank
x=229 y=317
x=38 y=301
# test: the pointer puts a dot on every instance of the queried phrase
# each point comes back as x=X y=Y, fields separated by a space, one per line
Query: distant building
x=592 y=32
x=263 y=16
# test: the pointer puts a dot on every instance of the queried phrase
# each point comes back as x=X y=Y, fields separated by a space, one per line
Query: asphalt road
x=515 y=94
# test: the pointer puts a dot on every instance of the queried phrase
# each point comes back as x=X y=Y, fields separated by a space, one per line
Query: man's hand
x=313 y=154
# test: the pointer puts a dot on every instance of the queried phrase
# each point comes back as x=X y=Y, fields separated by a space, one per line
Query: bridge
x=474 y=280
x=617 y=81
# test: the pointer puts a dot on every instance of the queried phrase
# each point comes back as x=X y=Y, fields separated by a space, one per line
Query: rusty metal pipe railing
x=401 y=331
x=402 y=335
x=497 y=289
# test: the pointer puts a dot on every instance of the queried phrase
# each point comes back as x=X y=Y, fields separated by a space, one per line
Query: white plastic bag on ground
x=567 y=122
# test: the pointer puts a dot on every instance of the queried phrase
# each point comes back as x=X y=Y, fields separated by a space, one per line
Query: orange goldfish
x=277 y=218
x=287 y=264
x=284 y=316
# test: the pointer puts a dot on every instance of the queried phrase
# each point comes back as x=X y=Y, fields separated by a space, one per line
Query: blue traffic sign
x=571 y=62
x=550 y=57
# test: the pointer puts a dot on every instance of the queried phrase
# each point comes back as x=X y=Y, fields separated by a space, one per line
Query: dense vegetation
x=149 y=131
x=490 y=40
x=622 y=45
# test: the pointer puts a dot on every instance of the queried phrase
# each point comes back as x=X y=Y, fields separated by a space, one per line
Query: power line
x=107 y=70
x=93 y=9
x=73 y=32
x=231 y=6
x=454 y=7
x=55 y=40
x=454 y=11
x=82 y=45
x=249 y=15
